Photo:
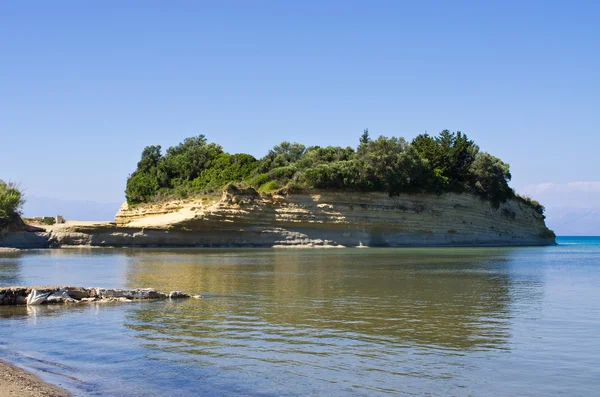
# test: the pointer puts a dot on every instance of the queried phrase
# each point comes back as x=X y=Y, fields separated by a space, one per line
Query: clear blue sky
x=84 y=86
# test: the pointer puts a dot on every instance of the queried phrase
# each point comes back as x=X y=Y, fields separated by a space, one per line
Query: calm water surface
x=372 y=322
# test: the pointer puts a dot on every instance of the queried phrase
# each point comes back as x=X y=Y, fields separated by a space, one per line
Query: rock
x=60 y=296
x=178 y=295
x=119 y=299
x=197 y=296
x=14 y=295
x=140 y=293
x=48 y=294
x=78 y=293
x=36 y=297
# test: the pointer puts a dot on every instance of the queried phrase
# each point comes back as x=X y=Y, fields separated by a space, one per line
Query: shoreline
x=15 y=381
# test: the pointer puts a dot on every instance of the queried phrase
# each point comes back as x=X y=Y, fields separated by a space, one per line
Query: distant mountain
x=568 y=221
x=70 y=209
x=572 y=209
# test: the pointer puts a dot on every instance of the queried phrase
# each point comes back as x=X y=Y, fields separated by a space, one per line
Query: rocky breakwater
x=52 y=294
x=244 y=218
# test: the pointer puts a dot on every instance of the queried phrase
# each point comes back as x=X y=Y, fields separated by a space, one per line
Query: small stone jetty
x=63 y=295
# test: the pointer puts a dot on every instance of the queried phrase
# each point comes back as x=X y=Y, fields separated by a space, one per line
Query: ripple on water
x=374 y=322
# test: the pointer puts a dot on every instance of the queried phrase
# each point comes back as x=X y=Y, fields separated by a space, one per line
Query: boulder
x=178 y=295
x=78 y=292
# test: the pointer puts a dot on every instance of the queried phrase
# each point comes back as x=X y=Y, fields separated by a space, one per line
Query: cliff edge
x=243 y=218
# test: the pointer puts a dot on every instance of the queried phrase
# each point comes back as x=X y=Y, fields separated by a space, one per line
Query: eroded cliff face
x=339 y=219
x=316 y=219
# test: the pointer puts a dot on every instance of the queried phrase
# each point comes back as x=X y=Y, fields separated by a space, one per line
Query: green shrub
x=48 y=220
x=11 y=200
x=194 y=166
x=282 y=174
x=270 y=186
x=340 y=175
x=449 y=162
x=490 y=178
x=141 y=187
x=258 y=180
x=528 y=201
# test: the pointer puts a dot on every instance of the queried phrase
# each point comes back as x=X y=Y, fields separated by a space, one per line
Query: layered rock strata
x=243 y=218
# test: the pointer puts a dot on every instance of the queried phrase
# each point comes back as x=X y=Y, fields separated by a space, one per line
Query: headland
x=245 y=218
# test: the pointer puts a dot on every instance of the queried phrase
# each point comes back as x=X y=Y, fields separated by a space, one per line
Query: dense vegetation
x=11 y=201
x=449 y=162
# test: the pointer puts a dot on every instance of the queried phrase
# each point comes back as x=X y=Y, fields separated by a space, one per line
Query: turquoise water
x=369 y=322
x=589 y=241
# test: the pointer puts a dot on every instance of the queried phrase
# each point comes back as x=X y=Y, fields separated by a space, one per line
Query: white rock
x=60 y=296
x=37 y=298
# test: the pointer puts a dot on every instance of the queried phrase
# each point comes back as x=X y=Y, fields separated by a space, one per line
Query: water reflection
x=455 y=301
x=87 y=267
x=10 y=265
x=446 y=298
x=335 y=322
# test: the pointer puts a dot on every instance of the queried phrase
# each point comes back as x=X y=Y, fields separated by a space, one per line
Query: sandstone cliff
x=244 y=218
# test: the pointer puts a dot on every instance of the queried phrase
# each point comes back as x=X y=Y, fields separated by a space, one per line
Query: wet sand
x=17 y=382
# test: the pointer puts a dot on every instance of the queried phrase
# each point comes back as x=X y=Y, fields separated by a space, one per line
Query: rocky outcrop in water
x=53 y=294
x=243 y=218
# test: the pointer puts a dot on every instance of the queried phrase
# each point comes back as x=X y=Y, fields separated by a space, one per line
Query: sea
x=315 y=322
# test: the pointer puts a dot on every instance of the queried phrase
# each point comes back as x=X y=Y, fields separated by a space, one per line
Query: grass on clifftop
x=449 y=162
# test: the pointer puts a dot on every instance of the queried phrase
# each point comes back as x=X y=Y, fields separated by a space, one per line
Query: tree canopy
x=11 y=200
x=449 y=162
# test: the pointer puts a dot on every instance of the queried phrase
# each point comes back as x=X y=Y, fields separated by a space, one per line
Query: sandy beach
x=17 y=382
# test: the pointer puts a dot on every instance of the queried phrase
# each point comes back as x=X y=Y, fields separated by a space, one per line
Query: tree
x=11 y=200
x=364 y=138
x=316 y=155
x=460 y=156
x=185 y=161
x=450 y=156
x=288 y=152
x=141 y=187
x=449 y=162
x=490 y=178
x=150 y=157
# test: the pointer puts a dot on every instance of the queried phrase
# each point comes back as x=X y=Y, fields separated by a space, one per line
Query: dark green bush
x=528 y=201
x=11 y=200
x=141 y=187
x=283 y=174
x=489 y=178
x=258 y=180
x=48 y=220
